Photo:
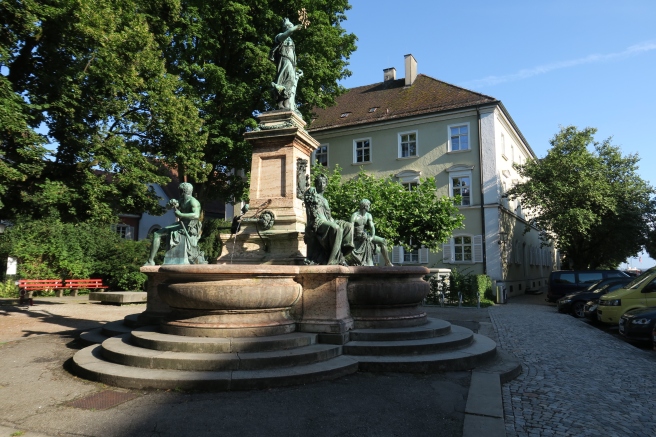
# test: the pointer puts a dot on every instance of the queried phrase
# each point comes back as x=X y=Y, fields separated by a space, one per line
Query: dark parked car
x=574 y=303
x=590 y=310
x=638 y=324
x=563 y=282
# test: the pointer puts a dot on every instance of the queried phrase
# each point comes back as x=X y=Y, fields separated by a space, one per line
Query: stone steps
x=89 y=363
x=457 y=337
x=147 y=358
x=150 y=338
x=480 y=351
x=119 y=350
x=434 y=328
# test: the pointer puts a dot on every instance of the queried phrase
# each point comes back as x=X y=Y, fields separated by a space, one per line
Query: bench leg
x=74 y=292
x=31 y=301
x=59 y=293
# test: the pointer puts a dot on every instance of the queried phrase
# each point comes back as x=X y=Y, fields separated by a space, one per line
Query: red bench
x=28 y=286
x=81 y=284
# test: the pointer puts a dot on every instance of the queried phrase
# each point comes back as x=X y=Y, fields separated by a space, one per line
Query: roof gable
x=392 y=99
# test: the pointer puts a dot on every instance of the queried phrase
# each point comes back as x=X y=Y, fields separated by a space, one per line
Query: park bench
x=27 y=286
x=80 y=284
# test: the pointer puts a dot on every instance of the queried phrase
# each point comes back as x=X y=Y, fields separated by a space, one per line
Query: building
x=419 y=127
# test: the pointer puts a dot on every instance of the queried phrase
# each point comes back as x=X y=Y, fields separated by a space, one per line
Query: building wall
x=510 y=254
x=150 y=222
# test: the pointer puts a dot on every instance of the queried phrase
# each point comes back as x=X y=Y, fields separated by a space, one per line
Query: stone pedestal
x=324 y=307
x=279 y=171
x=156 y=309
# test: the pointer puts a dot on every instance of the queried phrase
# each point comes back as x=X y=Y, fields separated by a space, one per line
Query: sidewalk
x=36 y=390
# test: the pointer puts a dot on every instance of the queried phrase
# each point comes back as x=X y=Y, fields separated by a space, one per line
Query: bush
x=458 y=284
x=8 y=289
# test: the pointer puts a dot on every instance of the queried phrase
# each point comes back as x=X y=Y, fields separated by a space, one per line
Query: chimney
x=389 y=74
x=410 y=70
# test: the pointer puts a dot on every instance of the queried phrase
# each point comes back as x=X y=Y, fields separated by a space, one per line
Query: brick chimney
x=410 y=70
x=389 y=74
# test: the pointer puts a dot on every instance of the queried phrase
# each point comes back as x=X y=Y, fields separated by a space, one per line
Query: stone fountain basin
x=226 y=287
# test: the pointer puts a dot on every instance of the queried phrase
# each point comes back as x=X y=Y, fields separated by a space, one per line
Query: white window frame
x=463 y=174
x=503 y=146
x=416 y=141
x=469 y=137
x=449 y=250
x=316 y=152
x=124 y=231
x=355 y=151
x=399 y=255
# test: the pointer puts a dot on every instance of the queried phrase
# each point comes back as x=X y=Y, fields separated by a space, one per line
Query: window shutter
x=478 y=248
x=423 y=255
x=446 y=252
x=397 y=255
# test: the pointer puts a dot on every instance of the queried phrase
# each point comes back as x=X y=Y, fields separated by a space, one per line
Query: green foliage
x=126 y=86
x=210 y=243
x=587 y=198
x=51 y=249
x=9 y=289
x=399 y=214
x=468 y=285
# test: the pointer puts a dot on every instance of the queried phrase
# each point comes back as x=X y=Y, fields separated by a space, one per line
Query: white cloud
x=543 y=69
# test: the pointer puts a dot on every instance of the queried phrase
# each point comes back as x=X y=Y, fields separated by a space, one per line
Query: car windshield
x=640 y=279
x=593 y=285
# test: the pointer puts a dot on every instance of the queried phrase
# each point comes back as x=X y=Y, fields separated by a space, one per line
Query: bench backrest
x=40 y=284
x=81 y=283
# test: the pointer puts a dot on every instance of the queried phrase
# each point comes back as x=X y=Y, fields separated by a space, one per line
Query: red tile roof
x=393 y=100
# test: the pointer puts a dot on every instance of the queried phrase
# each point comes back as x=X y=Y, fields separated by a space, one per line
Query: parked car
x=564 y=282
x=639 y=293
x=574 y=303
x=638 y=324
x=590 y=310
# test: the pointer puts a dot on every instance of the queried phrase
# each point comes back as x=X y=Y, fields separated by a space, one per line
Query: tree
x=586 y=197
x=410 y=218
x=124 y=87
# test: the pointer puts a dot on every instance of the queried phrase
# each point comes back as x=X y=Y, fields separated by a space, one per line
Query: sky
x=553 y=63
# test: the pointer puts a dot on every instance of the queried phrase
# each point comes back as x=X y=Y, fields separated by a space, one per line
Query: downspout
x=480 y=167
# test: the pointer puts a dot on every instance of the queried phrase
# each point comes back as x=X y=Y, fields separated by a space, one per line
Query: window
x=463 y=249
x=460 y=185
x=124 y=231
x=407 y=144
x=410 y=186
x=321 y=155
x=503 y=146
x=458 y=137
x=362 y=151
x=417 y=256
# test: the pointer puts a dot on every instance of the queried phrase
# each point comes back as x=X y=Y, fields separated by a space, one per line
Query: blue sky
x=552 y=63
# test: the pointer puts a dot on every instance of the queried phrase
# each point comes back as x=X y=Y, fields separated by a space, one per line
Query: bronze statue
x=284 y=56
x=184 y=234
x=328 y=241
x=365 y=238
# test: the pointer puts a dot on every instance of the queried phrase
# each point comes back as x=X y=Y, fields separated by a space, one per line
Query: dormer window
x=344 y=114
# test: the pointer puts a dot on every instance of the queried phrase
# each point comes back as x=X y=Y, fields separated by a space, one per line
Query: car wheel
x=578 y=309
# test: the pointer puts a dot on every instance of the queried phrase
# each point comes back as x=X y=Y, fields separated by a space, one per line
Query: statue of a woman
x=284 y=56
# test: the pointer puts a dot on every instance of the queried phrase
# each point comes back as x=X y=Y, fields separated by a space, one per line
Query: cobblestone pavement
x=576 y=380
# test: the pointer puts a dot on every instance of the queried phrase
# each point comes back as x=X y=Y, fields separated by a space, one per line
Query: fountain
x=261 y=317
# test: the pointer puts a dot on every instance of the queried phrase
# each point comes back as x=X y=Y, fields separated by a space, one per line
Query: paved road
x=577 y=380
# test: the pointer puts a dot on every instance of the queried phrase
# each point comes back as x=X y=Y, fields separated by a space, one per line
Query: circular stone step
x=89 y=363
x=458 y=337
x=434 y=328
x=151 y=338
x=115 y=328
x=481 y=351
x=118 y=350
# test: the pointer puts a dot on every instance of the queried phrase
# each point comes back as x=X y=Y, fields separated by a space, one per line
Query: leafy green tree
x=123 y=87
x=588 y=198
x=409 y=218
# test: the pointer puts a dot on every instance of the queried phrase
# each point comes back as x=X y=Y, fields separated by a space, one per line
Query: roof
x=393 y=100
